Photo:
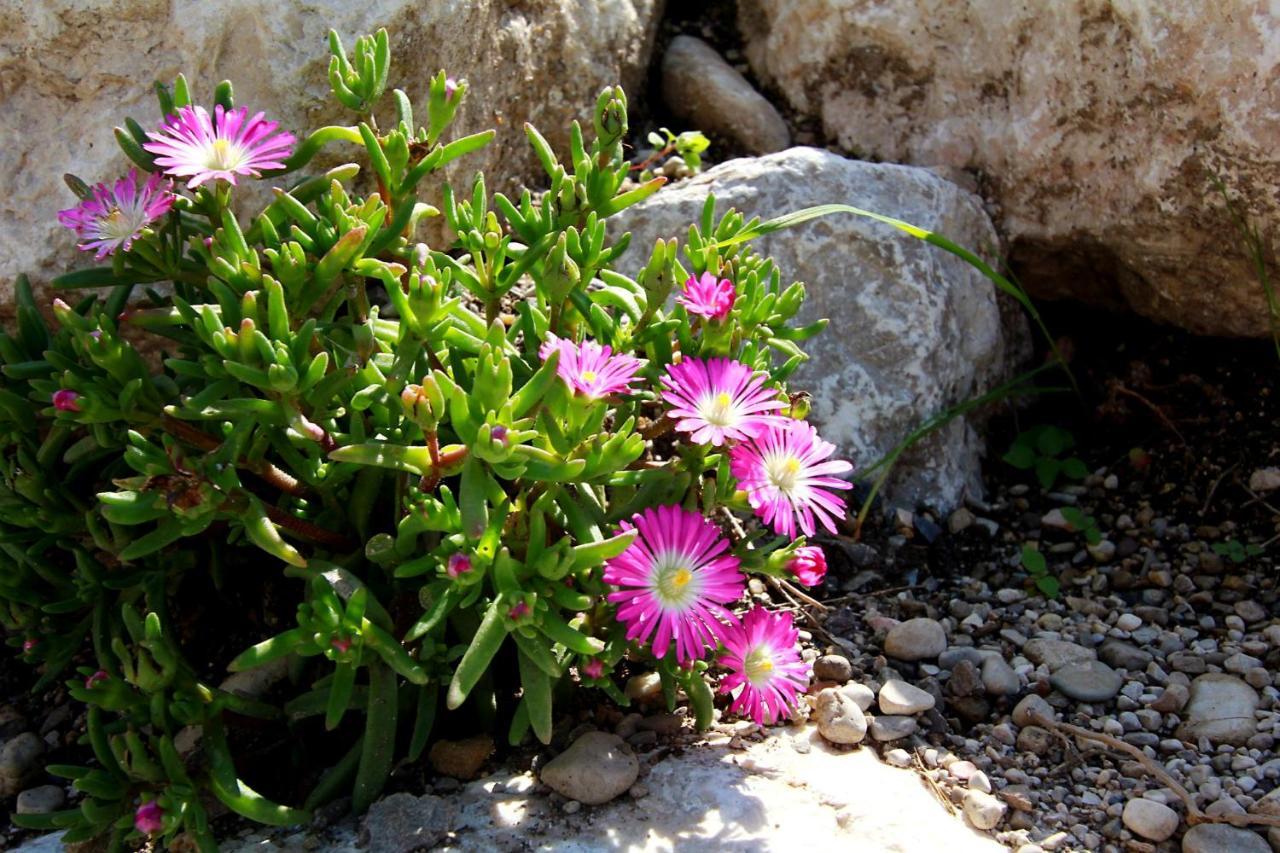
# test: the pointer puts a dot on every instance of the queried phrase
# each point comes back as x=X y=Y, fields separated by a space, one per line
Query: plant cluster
x=469 y=476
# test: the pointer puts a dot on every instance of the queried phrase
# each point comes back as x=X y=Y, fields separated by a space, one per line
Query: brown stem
x=660 y=427
x=282 y=480
x=307 y=530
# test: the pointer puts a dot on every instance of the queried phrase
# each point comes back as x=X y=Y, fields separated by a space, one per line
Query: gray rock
x=705 y=91
x=983 y=810
x=998 y=678
x=1265 y=480
x=899 y=697
x=1030 y=707
x=41 y=800
x=403 y=823
x=915 y=639
x=1149 y=819
x=1035 y=739
x=862 y=695
x=1092 y=681
x=888 y=727
x=1172 y=700
x=1220 y=708
x=930 y=331
x=1221 y=838
x=1056 y=654
x=1124 y=655
x=832 y=668
x=596 y=768
x=19 y=761
x=839 y=718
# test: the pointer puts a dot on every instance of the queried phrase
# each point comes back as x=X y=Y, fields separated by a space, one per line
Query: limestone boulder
x=71 y=71
x=1094 y=124
x=914 y=330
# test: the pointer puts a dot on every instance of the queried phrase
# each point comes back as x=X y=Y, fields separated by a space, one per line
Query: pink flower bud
x=809 y=565
x=458 y=565
x=96 y=679
x=29 y=644
x=450 y=88
x=499 y=434
x=66 y=401
x=148 y=818
x=593 y=668
x=518 y=611
x=342 y=644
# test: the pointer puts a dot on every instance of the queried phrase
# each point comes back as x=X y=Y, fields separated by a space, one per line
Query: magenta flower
x=593 y=668
x=707 y=296
x=341 y=644
x=65 y=400
x=193 y=145
x=766 y=673
x=458 y=565
x=809 y=565
x=518 y=611
x=148 y=818
x=718 y=400
x=29 y=645
x=112 y=217
x=590 y=369
x=96 y=679
x=674 y=579
x=787 y=478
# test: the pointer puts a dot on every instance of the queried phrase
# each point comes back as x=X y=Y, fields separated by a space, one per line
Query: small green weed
x=1041 y=449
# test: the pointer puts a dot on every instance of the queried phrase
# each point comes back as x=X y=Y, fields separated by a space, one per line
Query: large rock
x=1095 y=123
x=72 y=71
x=596 y=768
x=914 y=330
x=1221 y=709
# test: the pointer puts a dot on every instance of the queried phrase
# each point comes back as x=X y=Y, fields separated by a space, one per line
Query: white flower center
x=718 y=409
x=783 y=472
x=116 y=226
x=758 y=665
x=673 y=583
x=223 y=156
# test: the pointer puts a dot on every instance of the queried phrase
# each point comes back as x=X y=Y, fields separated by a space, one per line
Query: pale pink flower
x=766 y=673
x=718 y=400
x=592 y=370
x=788 y=478
x=112 y=217
x=707 y=296
x=674 y=580
x=194 y=145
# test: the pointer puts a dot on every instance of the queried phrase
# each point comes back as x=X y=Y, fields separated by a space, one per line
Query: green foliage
x=1236 y=551
x=1040 y=449
x=1083 y=524
x=1034 y=562
x=688 y=145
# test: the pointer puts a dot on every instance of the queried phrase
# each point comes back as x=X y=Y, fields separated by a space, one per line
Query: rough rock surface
x=402 y=823
x=1097 y=125
x=72 y=72
x=596 y=768
x=1221 y=709
x=704 y=90
x=913 y=330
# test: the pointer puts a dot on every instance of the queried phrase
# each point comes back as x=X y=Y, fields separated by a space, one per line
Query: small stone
x=572 y=807
x=980 y=782
x=403 y=823
x=1029 y=708
x=596 y=768
x=983 y=810
x=1055 y=520
x=1223 y=806
x=19 y=761
x=998 y=678
x=1250 y=611
x=1093 y=681
x=1124 y=655
x=645 y=688
x=839 y=718
x=1149 y=819
x=1265 y=480
x=460 y=759
x=1221 y=838
x=862 y=695
x=833 y=668
x=41 y=800
x=889 y=727
x=959 y=520
x=899 y=697
x=965 y=680
x=1103 y=551
x=915 y=639
x=1221 y=708
x=898 y=757
x=1035 y=739
x=1128 y=622
x=1056 y=654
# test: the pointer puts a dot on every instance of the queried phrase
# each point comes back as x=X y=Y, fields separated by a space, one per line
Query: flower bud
x=66 y=400
x=458 y=565
x=149 y=818
x=594 y=668
x=97 y=678
x=809 y=565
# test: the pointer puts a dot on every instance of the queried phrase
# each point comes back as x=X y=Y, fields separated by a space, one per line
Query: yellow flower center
x=223 y=156
x=588 y=376
x=717 y=410
x=116 y=225
x=673 y=583
x=783 y=472
x=758 y=666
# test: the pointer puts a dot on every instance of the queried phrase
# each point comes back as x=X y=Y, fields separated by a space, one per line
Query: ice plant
x=65 y=400
x=718 y=400
x=593 y=668
x=674 y=580
x=148 y=818
x=788 y=476
x=709 y=297
x=458 y=565
x=809 y=565
x=592 y=370
x=112 y=217
x=195 y=145
x=97 y=678
x=766 y=673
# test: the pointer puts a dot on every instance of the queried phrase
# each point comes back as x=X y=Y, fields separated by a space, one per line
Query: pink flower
x=718 y=400
x=65 y=400
x=786 y=478
x=148 y=818
x=450 y=88
x=112 y=217
x=518 y=611
x=341 y=644
x=96 y=679
x=29 y=644
x=590 y=369
x=708 y=297
x=193 y=145
x=809 y=565
x=458 y=565
x=674 y=579
x=766 y=672
x=593 y=668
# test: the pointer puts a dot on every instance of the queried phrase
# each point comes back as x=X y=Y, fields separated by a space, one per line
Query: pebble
x=41 y=800
x=1221 y=838
x=1128 y=622
x=888 y=727
x=1124 y=655
x=862 y=695
x=19 y=761
x=1093 y=681
x=1265 y=480
x=832 y=668
x=998 y=678
x=1035 y=739
x=460 y=759
x=899 y=697
x=1056 y=654
x=595 y=769
x=1172 y=700
x=1030 y=707
x=1149 y=819
x=915 y=639
x=1221 y=709
x=403 y=823
x=983 y=810
x=1250 y=610
x=839 y=718
x=898 y=757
